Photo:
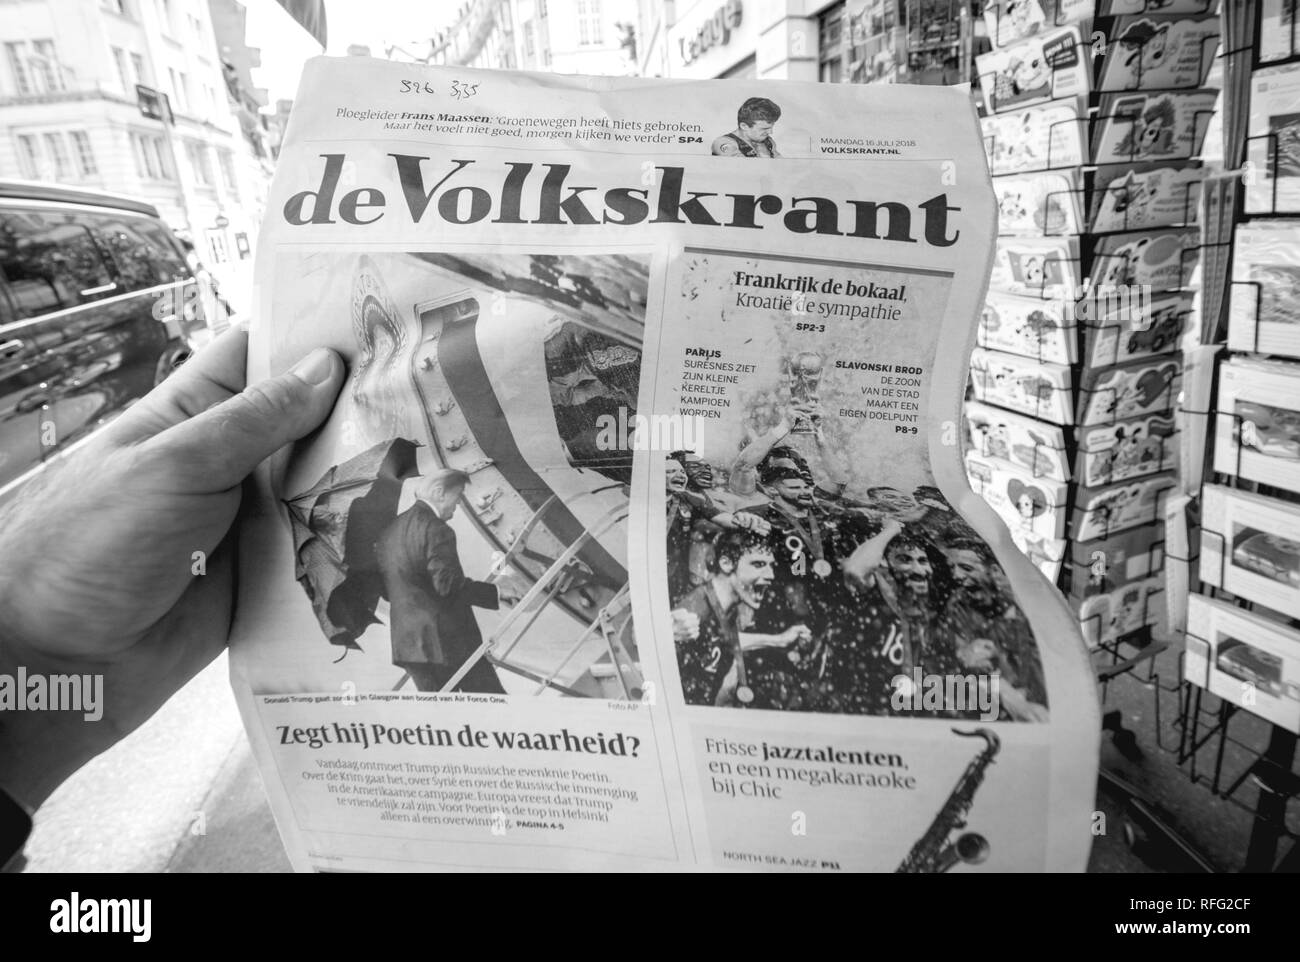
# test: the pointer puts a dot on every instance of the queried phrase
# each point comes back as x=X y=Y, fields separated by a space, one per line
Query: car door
x=65 y=329
x=51 y=269
x=19 y=428
x=117 y=350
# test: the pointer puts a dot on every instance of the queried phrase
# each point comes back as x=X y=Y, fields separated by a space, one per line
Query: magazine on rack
x=639 y=536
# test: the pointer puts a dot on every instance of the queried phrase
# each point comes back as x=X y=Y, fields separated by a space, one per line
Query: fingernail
x=316 y=367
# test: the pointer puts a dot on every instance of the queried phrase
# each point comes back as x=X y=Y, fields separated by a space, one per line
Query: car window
x=139 y=250
x=165 y=250
x=6 y=310
x=50 y=262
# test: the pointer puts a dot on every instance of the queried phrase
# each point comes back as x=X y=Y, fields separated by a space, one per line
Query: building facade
x=559 y=36
x=70 y=111
x=832 y=41
x=256 y=157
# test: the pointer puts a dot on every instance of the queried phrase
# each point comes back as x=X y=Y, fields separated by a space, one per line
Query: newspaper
x=639 y=536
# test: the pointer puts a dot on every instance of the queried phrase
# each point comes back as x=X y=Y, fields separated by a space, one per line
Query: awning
x=310 y=14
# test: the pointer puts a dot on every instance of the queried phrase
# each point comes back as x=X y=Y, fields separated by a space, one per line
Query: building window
x=115 y=6
x=165 y=15
x=141 y=157
x=196 y=25
x=130 y=69
x=46 y=156
x=830 y=44
x=45 y=66
x=29 y=158
x=119 y=61
x=228 y=181
x=541 y=9
x=528 y=38
x=200 y=163
x=15 y=53
x=589 y=31
x=34 y=67
x=150 y=155
x=58 y=153
x=85 y=155
x=179 y=90
x=163 y=155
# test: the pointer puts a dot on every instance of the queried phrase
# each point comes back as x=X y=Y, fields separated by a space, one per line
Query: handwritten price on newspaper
x=459 y=89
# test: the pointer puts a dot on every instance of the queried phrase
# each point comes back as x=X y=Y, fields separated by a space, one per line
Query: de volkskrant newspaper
x=639 y=537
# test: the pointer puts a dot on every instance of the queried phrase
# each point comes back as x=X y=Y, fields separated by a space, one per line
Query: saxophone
x=934 y=853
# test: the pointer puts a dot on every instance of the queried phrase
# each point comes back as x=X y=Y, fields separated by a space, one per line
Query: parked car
x=81 y=339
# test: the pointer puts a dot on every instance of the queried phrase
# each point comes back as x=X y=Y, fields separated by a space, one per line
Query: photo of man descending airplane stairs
x=484 y=523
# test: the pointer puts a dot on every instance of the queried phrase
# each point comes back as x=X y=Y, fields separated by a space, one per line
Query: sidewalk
x=179 y=794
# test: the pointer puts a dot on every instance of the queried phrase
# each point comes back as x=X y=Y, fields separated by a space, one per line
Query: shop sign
x=715 y=31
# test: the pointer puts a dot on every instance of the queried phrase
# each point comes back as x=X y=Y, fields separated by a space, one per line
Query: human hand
x=686 y=625
x=510 y=587
x=807 y=410
x=1020 y=708
x=752 y=522
x=730 y=685
x=119 y=561
x=795 y=634
x=978 y=654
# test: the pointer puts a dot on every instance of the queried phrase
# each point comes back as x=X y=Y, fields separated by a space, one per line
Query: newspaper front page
x=639 y=536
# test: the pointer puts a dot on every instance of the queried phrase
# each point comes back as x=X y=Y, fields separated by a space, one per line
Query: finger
x=220 y=447
x=210 y=376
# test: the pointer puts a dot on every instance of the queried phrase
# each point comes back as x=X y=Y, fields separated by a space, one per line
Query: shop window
x=830 y=43
x=217 y=246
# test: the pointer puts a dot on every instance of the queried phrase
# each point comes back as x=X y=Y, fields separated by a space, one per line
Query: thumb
x=217 y=449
